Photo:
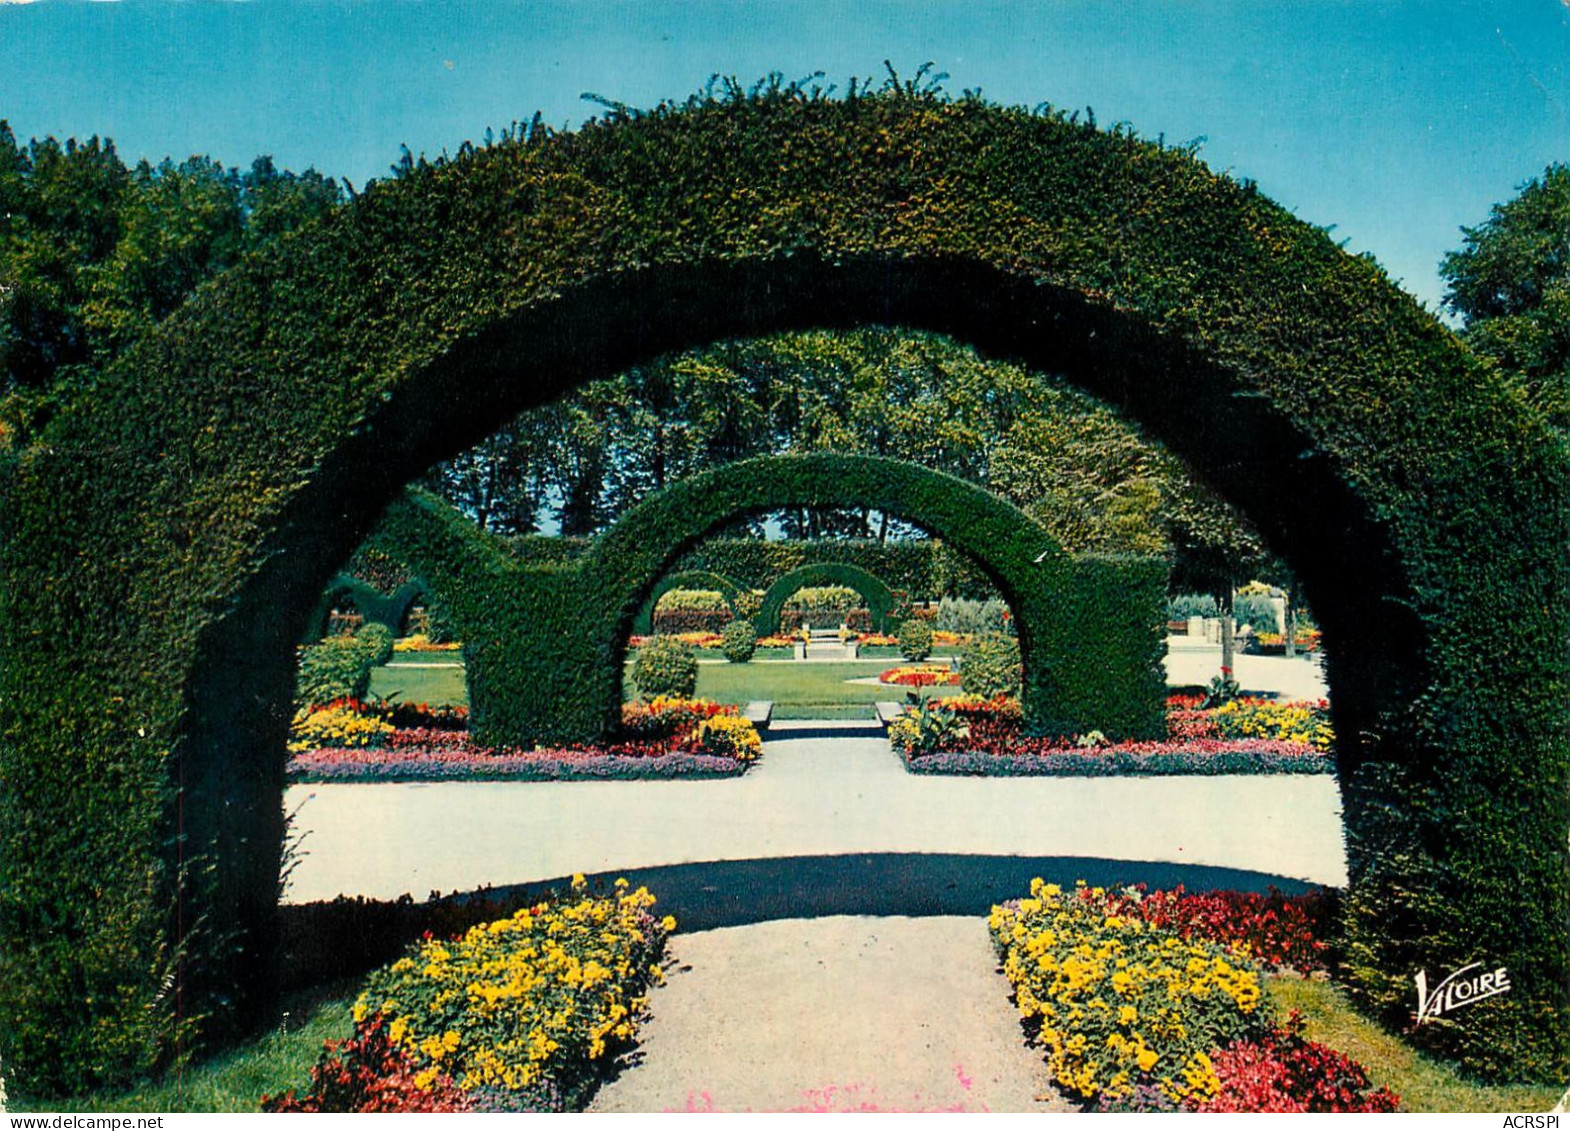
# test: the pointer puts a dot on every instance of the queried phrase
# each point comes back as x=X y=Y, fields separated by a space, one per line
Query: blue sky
x=1395 y=122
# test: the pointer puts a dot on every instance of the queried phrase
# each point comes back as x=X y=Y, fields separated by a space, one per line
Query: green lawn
x=413 y=684
x=1422 y=1084
x=802 y=691
x=233 y=1081
x=798 y=691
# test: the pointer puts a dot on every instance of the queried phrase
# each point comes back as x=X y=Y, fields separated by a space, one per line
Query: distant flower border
x=462 y=763
x=1145 y=759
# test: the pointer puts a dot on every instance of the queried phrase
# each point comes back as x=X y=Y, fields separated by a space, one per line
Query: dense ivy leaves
x=544 y=645
x=188 y=510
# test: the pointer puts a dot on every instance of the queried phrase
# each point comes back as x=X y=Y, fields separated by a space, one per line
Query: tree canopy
x=1064 y=458
x=1510 y=282
x=93 y=253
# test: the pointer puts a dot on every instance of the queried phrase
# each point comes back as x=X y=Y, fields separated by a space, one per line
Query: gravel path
x=846 y=1013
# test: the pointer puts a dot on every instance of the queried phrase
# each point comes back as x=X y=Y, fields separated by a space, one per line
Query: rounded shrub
x=991 y=667
x=915 y=640
x=376 y=641
x=336 y=668
x=665 y=666
x=739 y=641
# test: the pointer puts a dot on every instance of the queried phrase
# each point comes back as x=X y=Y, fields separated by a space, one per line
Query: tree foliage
x=1510 y=283
x=93 y=253
x=1064 y=458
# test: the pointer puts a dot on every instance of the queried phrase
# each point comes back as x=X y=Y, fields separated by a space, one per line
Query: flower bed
x=420 y=642
x=521 y=1014
x=461 y=762
x=922 y=675
x=691 y=639
x=667 y=738
x=1152 y=1002
x=1261 y=737
x=779 y=640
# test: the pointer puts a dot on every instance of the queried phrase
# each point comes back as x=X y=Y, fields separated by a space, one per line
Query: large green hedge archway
x=193 y=507
x=643 y=623
x=879 y=597
x=544 y=648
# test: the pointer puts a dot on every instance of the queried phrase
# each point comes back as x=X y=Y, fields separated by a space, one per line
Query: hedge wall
x=879 y=598
x=904 y=564
x=192 y=505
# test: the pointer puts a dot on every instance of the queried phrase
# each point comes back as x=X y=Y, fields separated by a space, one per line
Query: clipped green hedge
x=643 y=623
x=192 y=505
x=905 y=564
x=544 y=647
x=376 y=607
x=879 y=597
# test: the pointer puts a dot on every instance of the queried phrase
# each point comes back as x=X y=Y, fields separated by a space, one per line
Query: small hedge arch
x=879 y=597
x=376 y=607
x=140 y=768
x=643 y=623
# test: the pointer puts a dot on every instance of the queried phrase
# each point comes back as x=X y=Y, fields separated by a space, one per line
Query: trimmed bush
x=376 y=640
x=915 y=640
x=971 y=618
x=740 y=641
x=337 y=668
x=991 y=667
x=665 y=667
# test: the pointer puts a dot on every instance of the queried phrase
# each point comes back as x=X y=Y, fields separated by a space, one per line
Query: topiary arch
x=193 y=507
x=643 y=623
x=544 y=647
x=879 y=597
x=390 y=609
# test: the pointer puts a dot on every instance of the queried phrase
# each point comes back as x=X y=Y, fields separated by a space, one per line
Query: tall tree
x=93 y=254
x=1510 y=283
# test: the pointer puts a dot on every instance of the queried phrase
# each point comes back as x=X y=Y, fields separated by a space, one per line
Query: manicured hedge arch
x=878 y=596
x=390 y=609
x=193 y=509
x=643 y=623
x=544 y=647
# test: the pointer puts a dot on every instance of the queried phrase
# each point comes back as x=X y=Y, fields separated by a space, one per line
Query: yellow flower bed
x=1120 y=1002
x=729 y=736
x=336 y=724
x=420 y=642
x=1307 y=723
x=538 y=998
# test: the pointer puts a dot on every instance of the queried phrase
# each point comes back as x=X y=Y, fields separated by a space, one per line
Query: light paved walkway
x=834 y=1014
x=811 y=795
x=1301 y=677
